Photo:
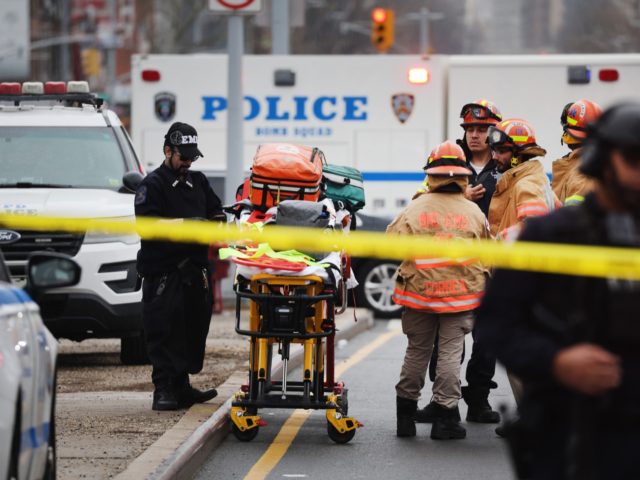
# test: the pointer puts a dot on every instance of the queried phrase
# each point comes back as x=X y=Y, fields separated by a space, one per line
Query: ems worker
x=477 y=117
x=176 y=295
x=523 y=189
x=569 y=185
x=575 y=341
x=439 y=293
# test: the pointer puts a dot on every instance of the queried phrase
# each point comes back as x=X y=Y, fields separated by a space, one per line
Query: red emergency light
x=379 y=15
x=418 y=75
x=10 y=88
x=608 y=75
x=151 y=75
x=55 y=87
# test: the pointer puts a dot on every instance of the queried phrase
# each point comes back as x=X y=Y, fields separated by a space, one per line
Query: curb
x=181 y=450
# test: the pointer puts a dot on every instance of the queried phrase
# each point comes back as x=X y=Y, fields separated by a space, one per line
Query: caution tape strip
x=539 y=257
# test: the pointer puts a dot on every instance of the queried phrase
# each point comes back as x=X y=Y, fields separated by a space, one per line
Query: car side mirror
x=131 y=181
x=47 y=270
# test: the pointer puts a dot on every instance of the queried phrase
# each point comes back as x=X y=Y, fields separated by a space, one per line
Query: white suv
x=62 y=153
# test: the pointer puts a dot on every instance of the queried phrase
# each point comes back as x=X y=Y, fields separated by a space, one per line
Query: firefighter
x=523 y=189
x=569 y=185
x=176 y=296
x=477 y=117
x=575 y=341
x=439 y=293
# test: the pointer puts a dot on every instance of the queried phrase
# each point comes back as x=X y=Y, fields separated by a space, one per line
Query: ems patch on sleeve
x=141 y=195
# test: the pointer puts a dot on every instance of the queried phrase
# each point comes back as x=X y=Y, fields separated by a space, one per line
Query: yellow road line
x=292 y=426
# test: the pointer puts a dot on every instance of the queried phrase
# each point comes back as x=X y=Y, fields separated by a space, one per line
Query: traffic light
x=91 y=62
x=382 y=27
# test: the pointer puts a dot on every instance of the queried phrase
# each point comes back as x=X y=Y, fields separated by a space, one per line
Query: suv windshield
x=80 y=157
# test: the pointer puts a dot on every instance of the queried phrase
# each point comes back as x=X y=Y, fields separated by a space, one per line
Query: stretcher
x=286 y=310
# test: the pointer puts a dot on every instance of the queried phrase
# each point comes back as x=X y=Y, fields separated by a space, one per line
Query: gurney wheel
x=245 y=436
x=338 y=437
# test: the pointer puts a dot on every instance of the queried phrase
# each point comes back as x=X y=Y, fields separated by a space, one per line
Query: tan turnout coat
x=569 y=184
x=440 y=285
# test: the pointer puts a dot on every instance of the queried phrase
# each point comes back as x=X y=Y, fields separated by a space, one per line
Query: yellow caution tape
x=540 y=257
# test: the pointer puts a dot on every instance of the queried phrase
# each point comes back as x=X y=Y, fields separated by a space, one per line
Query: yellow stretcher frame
x=287 y=310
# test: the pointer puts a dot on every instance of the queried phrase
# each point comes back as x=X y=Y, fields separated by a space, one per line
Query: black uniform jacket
x=163 y=194
x=527 y=317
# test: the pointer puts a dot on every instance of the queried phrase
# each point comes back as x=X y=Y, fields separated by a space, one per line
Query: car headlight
x=106 y=237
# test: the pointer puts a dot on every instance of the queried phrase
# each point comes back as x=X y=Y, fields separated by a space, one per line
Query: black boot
x=429 y=413
x=164 y=399
x=189 y=395
x=479 y=409
x=405 y=413
x=446 y=426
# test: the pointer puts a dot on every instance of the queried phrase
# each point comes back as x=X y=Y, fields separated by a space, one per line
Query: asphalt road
x=375 y=452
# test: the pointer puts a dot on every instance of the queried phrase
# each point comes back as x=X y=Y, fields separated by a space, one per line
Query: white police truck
x=62 y=153
x=379 y=113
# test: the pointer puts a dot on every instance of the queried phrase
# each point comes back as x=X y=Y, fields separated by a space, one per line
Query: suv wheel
x=133 y=350
x=376 y=288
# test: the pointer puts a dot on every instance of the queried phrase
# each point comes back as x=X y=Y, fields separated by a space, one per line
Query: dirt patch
x=104 y=418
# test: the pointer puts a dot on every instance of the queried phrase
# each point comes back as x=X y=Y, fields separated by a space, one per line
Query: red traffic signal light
x=379 y=15
x=382 y=28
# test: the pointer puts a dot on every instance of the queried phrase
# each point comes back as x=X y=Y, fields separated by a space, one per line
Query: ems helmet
x=447 y=159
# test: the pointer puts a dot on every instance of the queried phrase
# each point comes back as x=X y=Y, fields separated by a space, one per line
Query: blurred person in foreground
x=575 y=341
x=439 y=294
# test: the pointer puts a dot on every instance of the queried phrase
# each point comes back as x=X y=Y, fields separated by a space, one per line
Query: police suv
x=62 y=153
x=28 y=369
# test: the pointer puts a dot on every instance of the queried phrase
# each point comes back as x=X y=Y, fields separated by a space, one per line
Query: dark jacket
x=162 y=194
x=527 y=317
x=488 y=177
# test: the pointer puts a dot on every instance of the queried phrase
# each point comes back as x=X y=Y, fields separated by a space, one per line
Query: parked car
x=28 y=354
x=376 y=276
x=65 y=154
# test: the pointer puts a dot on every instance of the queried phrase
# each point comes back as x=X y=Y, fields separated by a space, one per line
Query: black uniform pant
x=176 y=311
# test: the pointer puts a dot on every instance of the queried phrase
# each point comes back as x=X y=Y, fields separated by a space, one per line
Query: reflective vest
x=434 y=284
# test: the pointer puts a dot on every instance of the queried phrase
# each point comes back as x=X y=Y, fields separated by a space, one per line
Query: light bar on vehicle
x=55 y=87
x=32 y=88
x=418 y=75
x=78 y=86
x=10 y=88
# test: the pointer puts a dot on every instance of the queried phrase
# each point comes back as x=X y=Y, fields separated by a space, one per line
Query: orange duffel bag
x=282 y=171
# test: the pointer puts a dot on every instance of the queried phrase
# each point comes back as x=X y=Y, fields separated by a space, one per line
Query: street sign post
x=235 y=50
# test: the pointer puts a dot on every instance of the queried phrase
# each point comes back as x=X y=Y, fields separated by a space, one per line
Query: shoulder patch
x=141 y=195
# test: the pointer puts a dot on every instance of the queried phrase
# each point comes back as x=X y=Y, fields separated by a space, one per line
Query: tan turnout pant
x=421 y=329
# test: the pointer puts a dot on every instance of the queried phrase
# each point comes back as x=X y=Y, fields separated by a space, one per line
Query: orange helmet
x=515 y=133
x=447 y=159
x=480 y=112
x=577 y=115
